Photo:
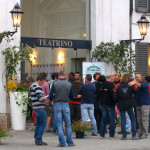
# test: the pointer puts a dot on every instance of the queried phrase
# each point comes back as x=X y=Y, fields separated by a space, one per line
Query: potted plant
x=17 y=91
x=78 y=127
x=4 y=132
x=18 y=94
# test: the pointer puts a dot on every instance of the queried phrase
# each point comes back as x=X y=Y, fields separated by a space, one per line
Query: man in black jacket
x=105 y=94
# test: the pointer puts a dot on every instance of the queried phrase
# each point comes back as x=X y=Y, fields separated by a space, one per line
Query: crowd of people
x=62 y=100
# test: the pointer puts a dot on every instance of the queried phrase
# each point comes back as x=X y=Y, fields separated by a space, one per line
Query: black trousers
x=75 y=112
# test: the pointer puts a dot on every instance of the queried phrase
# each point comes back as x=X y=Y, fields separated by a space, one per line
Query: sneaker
x=112 y=137
x=135 y=138
x=59 y=145
x=102 y=137
x=123 y=138
x=41 y=143
x=127 y=132
x=119 y=132
x=94 y=134
x=47 y=130
x=72 y=144
x=143 y=137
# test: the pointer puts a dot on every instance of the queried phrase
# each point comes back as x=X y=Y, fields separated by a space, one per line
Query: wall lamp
x=16 y=18
x=143 y=24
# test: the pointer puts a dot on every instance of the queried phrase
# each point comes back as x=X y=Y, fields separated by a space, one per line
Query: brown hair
x=95 y=74
x=44 y=74
x=126 y=78
x=41 y=77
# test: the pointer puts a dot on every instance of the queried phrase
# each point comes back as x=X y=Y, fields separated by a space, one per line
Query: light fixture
x=143 y=24
x=84 y=35
x=61 y=58
x=16 y=18
x=32 y=58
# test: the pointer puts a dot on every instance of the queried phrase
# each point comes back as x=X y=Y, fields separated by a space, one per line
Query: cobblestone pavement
x=23 y=140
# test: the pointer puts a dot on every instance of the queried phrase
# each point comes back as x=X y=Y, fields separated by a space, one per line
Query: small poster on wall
x=92 y=67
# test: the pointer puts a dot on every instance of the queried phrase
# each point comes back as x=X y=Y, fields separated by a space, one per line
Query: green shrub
x=78 y=126
x=4 y=132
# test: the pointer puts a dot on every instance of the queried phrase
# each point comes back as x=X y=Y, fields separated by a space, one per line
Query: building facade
x=62 y=27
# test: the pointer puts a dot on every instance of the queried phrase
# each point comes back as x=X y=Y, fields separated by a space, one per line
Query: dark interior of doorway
x=77 y=64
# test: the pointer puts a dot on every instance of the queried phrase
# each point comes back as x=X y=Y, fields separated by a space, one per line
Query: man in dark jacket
x=105 y=94
x=143 y=102
x=63 y=92
x=87 y=92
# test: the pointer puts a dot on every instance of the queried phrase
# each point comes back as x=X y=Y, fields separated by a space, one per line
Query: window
x=142 y=6
x=142 y=57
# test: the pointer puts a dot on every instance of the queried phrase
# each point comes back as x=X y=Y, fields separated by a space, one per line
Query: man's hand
x=79 y=96
x=45 y=98
x=132 y=83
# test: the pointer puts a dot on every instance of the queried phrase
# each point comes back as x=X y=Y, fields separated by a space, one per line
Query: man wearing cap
x=63 y=92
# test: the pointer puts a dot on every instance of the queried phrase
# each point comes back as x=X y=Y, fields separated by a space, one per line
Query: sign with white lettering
x=56 y=43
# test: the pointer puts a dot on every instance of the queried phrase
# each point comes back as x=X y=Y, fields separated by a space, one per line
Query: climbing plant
x=121 y=57
x=14 y=54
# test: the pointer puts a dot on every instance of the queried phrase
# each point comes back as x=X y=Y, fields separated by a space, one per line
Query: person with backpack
x=124 y=97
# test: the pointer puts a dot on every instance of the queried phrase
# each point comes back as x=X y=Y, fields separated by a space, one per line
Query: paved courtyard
x=23 y=140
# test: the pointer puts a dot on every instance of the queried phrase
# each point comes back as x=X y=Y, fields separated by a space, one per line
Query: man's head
x=96 y=76
x=71 y=76
x=88 y=78
x=43 y=73
x=138 y=77
x=61 y=75
x=102 y=79
x=54 y=76
x=77 y=75
x=111 y=78
x=40 y=79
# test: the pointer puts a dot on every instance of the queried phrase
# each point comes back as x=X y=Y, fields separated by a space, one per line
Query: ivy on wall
x=14 y=54
x=122 y=57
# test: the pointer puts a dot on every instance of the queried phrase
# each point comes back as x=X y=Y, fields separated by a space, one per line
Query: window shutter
x=142 y=53
x=142 y=6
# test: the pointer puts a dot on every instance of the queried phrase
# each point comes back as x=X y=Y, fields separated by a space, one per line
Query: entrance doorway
x=77 y=64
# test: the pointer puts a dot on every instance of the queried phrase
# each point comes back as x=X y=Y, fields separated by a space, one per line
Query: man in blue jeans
x=38 y=104
x=87 y=94
x=105 y=94
x=63 y=91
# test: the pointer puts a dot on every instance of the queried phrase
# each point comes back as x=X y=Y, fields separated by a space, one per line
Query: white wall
x=109 y=23
x=110 y=20
x=6 y=25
